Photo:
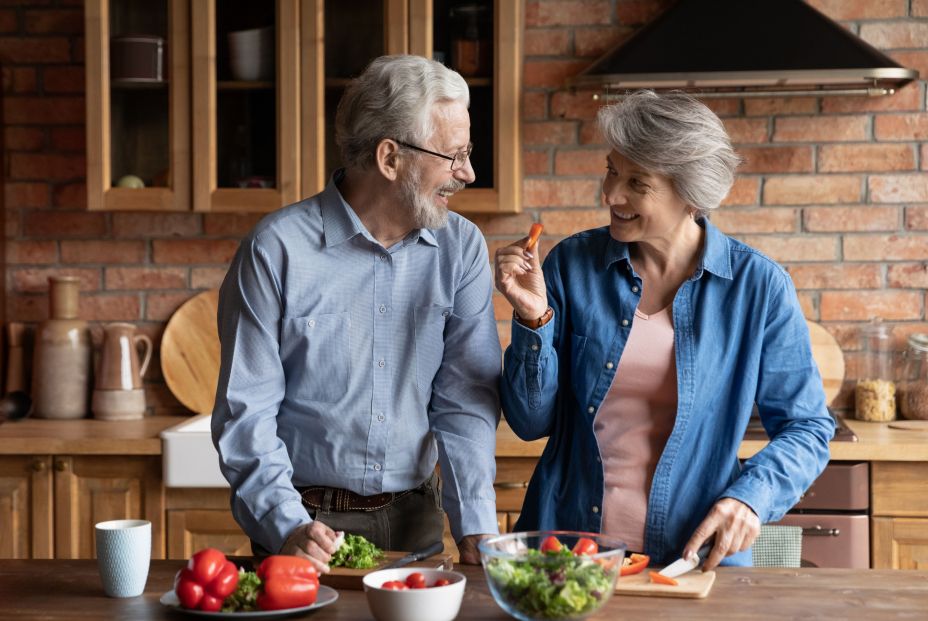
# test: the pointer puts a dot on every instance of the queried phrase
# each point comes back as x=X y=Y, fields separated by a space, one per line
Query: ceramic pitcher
x=119 y=358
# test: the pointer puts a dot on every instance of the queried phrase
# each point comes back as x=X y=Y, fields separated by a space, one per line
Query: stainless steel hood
x=743 y=48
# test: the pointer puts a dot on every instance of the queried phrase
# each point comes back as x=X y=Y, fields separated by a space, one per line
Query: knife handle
x=435 y=548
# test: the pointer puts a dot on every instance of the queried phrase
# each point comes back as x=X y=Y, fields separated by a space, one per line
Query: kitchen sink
x=189 y=458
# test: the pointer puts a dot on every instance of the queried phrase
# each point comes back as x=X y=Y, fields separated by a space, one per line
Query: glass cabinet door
x=245 y=95
x=138 y=122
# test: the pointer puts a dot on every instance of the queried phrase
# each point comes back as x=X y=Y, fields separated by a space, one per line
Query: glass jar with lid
x=875 y=394
x=913 y=389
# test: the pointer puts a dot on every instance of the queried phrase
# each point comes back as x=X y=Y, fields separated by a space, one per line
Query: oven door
x=833 y=539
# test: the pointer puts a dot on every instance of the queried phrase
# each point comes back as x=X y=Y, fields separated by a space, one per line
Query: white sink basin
x=189 y=458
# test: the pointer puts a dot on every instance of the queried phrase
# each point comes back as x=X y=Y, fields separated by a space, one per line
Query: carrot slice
x=534 y=234
x=657 y=578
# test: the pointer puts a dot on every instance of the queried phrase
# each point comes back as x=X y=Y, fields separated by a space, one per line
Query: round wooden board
x=190 y=352
x=829 y=358
x=911 y=425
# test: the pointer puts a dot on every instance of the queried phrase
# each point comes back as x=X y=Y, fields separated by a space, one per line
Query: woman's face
x=644 y=206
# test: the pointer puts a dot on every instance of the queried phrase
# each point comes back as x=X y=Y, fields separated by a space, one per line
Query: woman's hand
x=519 y=278
x=735 y=526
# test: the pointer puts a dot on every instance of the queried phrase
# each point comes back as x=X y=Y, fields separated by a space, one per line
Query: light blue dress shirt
x=349 y=365
x=740 y=339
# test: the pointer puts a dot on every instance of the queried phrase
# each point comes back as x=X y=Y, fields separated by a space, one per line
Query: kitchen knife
x=682 y=565
x=418 y=555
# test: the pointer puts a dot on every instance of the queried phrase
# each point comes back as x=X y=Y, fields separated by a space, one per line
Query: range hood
x=744 y=48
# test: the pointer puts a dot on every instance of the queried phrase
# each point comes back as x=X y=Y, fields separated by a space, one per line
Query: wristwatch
x=534 y=324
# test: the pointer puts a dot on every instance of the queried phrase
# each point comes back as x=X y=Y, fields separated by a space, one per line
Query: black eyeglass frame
x=453 y=158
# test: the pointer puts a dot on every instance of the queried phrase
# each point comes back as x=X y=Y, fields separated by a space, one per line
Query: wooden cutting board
x=345 y=578
x=190 y=352
x=829 y=358
x=694 y=585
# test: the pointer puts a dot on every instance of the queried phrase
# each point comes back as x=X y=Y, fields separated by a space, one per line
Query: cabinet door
x=245 y=104
x=900 y=543
x=138 y=110
x=25 y=507
x=191 y=530
x=92 y=488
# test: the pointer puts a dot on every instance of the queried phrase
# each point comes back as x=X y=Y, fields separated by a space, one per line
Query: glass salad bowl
x=551 y=574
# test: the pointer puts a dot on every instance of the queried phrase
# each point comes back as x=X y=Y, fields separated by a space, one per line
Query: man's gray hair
x=675 y=135
x=393 y=98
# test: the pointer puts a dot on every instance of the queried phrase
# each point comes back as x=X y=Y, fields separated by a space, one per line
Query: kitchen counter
x=60 y=590
x=85 y=436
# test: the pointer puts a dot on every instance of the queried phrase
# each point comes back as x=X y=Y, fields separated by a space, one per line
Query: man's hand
x=735 y=526
x=314 y=541
x=467 y=547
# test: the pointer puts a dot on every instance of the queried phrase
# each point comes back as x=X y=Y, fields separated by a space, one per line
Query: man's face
x=429 y=181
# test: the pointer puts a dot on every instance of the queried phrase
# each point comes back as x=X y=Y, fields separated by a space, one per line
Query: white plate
x=326 y=596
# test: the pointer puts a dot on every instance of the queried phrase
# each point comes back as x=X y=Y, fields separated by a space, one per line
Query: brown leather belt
x=346 y=500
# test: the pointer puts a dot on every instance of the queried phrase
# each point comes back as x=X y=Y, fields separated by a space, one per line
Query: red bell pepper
x=287 y=582
x=206 y=581
x=635 y=564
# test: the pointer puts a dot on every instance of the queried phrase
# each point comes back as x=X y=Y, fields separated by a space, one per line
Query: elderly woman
x=640 y=350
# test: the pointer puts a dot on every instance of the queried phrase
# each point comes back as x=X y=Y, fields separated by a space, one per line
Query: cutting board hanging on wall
x=829 y=358
x=190 y=352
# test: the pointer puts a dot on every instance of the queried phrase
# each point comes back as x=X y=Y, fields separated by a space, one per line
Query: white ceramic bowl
x=429 y=604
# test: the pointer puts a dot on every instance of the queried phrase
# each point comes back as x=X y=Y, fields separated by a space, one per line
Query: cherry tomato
x=585 y=547
x=551 y=544
x=441 y=582
x=394 y=585
x=415 y=581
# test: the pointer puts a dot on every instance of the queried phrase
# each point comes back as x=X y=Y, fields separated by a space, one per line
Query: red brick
x=534 y=105
x=867 y=305
x=12 y=226
x=559 y=192
x=909 y=98
x=35 y=280
x=580 y=162
x=502 y=309
x=911 y=247
x=733 y=220
x=70 y=224
x=31 y=252
x=27 y=308
x=68 y=138
x=550 y=73
x=775 y=159
x=807 y=304
x=160 y=306
x=20 y=80
x=148 y=225
x=230 y=225
x=24 y=138
x=44 y=111
x=77 y=50
x=28 y=50
x=549 y=132
x=593 y=42
x=850 y=218
x=102 y=252
x=793 y=248
x=590 y=134
x=821 y=129
x=145 y=278
x=70 y=195
x=898 y=188
x=840 y=276
x=724 y=106
x=567 y=222
x=747 y=130
x=578 y=105
x=19 y=195
x=913 y=59
x=552 y=42
x=744 y=192
x=924 y=157
x=919 y=8
x=536 y=162
x=8 y=21
x=902 y=127
x=865 y=157
x=508 y=226
x=896 y=34
x=780 y=106
x=566 y=13
x=46 y=167
x=108 y=307
x=907 y=276
x=68 y=79
x=860 y=9
x=55 y=22
x=633 y=12
x=207 y=277
x=812 y=189
x=916 y=218
x=504 y=332
x=205 y=251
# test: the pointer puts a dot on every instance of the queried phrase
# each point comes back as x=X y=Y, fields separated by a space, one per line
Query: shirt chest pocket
x=315 y=354
x=430 y=343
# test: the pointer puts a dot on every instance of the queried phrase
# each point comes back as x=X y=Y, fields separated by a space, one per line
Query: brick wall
x=836 y=189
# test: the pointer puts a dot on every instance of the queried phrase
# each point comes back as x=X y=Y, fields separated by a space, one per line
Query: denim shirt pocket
x=314 y=350
x=579 y=378
x=430 y=343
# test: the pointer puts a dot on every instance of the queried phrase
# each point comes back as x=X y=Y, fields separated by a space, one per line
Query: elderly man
x=359 y=345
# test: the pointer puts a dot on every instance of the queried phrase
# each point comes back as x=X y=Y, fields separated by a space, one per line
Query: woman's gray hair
x=393 y=98
x=675 y=135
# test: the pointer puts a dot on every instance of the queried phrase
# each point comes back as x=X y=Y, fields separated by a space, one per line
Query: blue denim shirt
x=740 y=339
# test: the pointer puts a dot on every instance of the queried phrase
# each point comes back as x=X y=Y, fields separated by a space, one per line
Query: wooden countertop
x=85 y=436
x=60 y=590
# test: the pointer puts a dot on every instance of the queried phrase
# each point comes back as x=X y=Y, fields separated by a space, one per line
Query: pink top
x=634 y=422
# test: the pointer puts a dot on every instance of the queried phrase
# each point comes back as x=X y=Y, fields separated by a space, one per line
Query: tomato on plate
x=585 y=547
x=551 y=544
x=415 y=580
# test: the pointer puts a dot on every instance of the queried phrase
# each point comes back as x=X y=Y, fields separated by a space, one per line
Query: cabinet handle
x=511 y=485
x=61 y=466
x=818 y=531
x=38 y=466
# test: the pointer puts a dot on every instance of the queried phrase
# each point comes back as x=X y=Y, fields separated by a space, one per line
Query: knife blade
x=682 y=565
x=418 y=555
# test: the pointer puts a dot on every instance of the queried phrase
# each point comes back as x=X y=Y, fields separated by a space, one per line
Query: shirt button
x=445 y=314
x=595 y=509
x=625 y=322
x=383 y=257
x=534 y=347
x=609 y=365
x=591 y=409
x=380 y=417
x=382 y=364
x=383 y=308
x=311 y=323
x=377 y=467
x=634 y=289
x=599 y=459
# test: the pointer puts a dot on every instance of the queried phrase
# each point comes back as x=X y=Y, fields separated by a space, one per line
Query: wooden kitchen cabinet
x=201 y=518
x=50 y=503
x=900 y=515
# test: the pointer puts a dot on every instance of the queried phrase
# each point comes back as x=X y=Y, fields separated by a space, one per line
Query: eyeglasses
x=457 y=160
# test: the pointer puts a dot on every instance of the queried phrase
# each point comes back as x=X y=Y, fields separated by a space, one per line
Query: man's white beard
x=426 y=213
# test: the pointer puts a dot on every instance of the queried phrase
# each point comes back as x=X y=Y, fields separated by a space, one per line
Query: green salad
x=551 y=585
x=245 y=596
x=356 y=552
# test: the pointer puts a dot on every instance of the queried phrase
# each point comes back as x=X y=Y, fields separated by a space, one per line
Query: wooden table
x=60 y=589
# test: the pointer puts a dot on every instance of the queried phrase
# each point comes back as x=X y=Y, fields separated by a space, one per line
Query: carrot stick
x=534 y=234
x=656 y=578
